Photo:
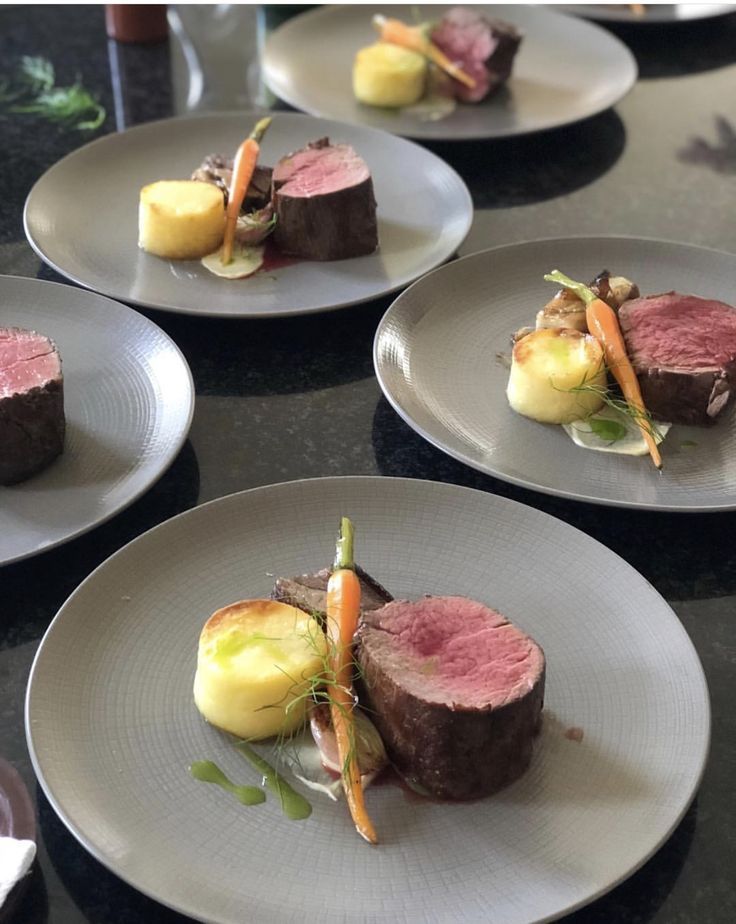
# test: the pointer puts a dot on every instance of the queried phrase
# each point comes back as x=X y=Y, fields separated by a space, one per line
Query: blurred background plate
x=112 y=727
x=442 y=354
x=647 y=13
x=128 y=398
x=565 y=70
x=82 y=217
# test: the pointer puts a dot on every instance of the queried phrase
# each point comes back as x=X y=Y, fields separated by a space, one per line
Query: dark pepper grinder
x=136 y=23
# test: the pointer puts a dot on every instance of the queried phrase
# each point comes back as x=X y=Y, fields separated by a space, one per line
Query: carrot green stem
x=583 y=292
x=344 y=556
x=259 y=129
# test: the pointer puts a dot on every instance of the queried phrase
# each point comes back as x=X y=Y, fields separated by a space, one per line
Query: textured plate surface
x=82 y=217
x=565 y=70
x=653 y=12
x=437 y=350
x=112 y=727
x=128 y=398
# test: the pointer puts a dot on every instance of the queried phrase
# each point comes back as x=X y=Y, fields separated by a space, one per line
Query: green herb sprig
x=34 y=92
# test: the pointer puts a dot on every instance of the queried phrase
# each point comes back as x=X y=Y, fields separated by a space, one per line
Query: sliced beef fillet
x=483 y=47
x=455 y=690
x=309 y=592
x=683 y=349
x=31 y=404
x=218 y=170
x=325 y=207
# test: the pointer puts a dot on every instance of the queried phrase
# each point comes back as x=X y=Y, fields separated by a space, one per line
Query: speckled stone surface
x=291 y=398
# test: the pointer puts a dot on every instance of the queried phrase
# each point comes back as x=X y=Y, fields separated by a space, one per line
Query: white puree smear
x=630 y=444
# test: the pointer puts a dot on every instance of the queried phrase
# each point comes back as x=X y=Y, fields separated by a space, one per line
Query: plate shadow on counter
x=29 y=604
x=666 y=548
x=276 y=356
x=505 y=172
x=676 y=49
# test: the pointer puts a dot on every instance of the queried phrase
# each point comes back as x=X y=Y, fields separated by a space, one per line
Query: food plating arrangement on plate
x=345 y=214
x=265 y=666
x=367 y=462
x=672 y=356
x=264 y=696
x=447 y=73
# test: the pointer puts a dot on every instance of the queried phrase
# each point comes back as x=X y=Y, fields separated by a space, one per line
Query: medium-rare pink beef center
x=683 y=349
x=32 y=420
x=27 y=360
x=472 y=655
x=324 y=203
x=455 y=691
x=320 y=171
x=684 y=332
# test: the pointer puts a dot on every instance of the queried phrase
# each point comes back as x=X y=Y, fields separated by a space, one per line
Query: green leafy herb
x=608 y=430
x=37 y=74
x=620 y=404
x=34 y=93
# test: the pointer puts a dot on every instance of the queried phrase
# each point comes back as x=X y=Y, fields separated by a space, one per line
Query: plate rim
x=450 y=487
x=129 y=299
x=627 y=54
x=161 y=470
x=512 y=479
x=591 y=11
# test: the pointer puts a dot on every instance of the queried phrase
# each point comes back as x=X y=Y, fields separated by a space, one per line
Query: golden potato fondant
x=181 y=219
x=256 y=663
x=557 y=375
x=388 y=75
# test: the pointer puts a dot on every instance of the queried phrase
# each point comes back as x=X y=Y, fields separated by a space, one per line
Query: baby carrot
x=343 y=609
x=414 y=38
x=243 y=168
x=603 y=325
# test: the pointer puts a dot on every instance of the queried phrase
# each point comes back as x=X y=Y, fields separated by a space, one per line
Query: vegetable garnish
x=208 y=772
x=293 y=804
x=244 y=261
x=343 y=609
x=603 y=324
x=34 y=93
x=610 y=430
x=415 y=38
x=243 y=167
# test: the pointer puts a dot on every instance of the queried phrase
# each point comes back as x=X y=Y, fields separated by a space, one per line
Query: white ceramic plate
x=112 y=727
x=652 y=13
x=436 y=358
x=565 y=70
x=128 y=399
x=82 y=218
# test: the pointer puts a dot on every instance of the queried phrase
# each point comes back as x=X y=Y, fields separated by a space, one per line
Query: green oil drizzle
x=207 y=772
x=293 y=805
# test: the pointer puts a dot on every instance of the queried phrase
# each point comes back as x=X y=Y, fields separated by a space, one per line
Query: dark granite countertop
x=661 y=164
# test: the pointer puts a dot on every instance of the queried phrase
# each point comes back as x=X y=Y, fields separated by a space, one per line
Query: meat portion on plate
x=324 y=202
x=218 y=170
x=455 y=690
x=483 y=47
x=683 y=349
x=309 y=592
x=32 y=420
